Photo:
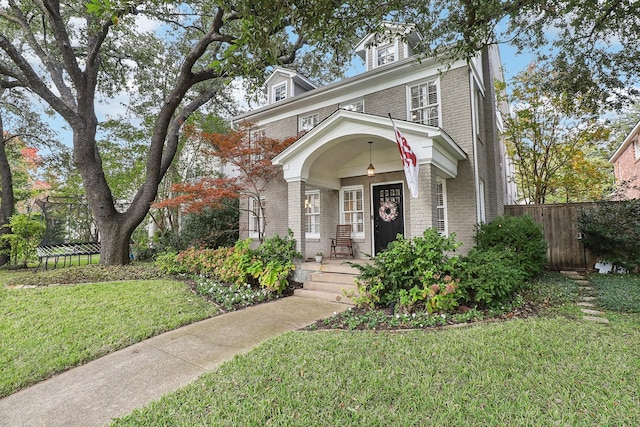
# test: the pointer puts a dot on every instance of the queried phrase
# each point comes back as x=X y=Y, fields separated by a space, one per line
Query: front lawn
x=44 y=331
x=544 y=371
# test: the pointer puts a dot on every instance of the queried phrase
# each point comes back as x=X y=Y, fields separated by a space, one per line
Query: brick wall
x=388 y=101
x=627 y=169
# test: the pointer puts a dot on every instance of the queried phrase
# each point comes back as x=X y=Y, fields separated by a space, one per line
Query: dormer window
x=280 y=92
x=386 y=54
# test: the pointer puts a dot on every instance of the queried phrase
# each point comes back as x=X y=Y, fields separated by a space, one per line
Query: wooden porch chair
x=342 y=240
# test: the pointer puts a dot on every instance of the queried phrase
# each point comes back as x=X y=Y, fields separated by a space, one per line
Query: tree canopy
x=558 y=157
x=167 y=61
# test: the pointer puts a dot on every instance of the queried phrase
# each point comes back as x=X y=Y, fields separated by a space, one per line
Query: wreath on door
x=388 y=211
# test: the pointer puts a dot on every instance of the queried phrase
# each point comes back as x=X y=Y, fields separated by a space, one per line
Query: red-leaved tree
x=247 y=155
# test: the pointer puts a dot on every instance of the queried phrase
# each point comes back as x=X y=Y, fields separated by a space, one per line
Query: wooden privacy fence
x=559 y=222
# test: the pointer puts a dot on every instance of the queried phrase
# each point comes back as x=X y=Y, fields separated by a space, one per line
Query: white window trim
x=307 y=215
x=435 y=80
x=636 y=148
x=443 y=207
x=393 y=45
x=351 y=102
x=306 y=116
x=481 y=202
x=354 y=234
x=253 y=232
x=276 y=87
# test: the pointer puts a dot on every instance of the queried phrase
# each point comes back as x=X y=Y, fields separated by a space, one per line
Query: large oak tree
x=72 y=56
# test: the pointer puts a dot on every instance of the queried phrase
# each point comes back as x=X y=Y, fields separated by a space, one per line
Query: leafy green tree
x=591 y=45
x=21 y=132
x=557 y=156
x=102 y=50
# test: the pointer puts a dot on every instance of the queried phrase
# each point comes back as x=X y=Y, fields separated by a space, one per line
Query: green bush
x=25 y=235
x=612 y=231
x=490 y=277
x=405 y=265
x=519 y=235
x=269 y=266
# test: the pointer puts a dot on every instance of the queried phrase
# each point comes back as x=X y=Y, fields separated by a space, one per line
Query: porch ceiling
x=338 y=148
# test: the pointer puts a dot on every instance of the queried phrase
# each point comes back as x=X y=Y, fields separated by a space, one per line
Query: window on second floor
x=355 y=105
x=280 y=92
x=423 y=103
x=309 y=122
x=636 y=147
x=385 y=54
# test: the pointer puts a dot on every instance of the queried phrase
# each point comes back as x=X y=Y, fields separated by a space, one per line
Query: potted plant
x=319 y=257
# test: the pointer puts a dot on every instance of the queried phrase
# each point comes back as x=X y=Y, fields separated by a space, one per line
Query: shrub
x=612 y=231
x=519 y=235
x=490 y=277
x=26 y=232
x=269 y=266
x=405 y=265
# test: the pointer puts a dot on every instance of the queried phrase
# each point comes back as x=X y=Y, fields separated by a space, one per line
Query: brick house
x=626 y=165
x=447 y=112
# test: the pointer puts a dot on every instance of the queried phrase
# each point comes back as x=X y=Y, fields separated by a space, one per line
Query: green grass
x=545 y=371
x=618 y=292
x=44 y=331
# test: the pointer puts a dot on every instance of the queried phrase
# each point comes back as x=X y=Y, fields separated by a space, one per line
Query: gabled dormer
x=393 y=43
x=284 y=83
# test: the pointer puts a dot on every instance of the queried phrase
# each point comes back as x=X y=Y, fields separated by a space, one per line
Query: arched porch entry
x=330 y=163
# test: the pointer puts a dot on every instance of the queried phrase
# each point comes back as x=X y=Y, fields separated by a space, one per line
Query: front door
x=388 y=215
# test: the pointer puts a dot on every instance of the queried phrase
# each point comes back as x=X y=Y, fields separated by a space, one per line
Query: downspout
x=474 y=135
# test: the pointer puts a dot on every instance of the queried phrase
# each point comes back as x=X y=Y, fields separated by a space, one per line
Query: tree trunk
x=6 y=195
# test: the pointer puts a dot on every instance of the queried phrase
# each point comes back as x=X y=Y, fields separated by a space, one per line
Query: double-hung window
x=424 y=107
x=312 y=214
x=256 y=217
x=308 y=122
x=280 y=92
x=385 y=54
x=352 y=209
x=355 y=105
x=441 y=208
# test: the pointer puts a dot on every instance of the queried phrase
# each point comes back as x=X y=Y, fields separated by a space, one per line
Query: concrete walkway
x=114 y=385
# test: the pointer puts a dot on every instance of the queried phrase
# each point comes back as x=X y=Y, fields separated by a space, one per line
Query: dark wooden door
x=388 y=215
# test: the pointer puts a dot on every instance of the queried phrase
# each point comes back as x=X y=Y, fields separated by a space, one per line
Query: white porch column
x=424 y=209
x=296 y=214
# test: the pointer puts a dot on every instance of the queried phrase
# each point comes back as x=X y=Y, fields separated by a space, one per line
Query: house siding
x=457 y=103
x=457 y=122
x=388 y=101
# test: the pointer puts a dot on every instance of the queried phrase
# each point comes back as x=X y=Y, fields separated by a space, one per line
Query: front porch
x=327 y=181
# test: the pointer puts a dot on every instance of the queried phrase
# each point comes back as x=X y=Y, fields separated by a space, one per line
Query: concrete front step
x=322 y=295
x=339 y=278
x=334 y=266
x=314 y=285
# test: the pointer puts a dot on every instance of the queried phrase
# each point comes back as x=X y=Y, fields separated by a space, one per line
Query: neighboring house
x=448 y=114
x=626 y=165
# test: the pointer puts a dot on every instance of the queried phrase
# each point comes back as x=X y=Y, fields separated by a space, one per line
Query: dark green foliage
x=278 y=249
x=490 y=277
x=405 y=265
x=212 y=228
x=612 y=231
x=617 y=292
x=269 y=266
x=519 y=235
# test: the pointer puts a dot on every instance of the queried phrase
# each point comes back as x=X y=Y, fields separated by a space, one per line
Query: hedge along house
x=448 y=114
